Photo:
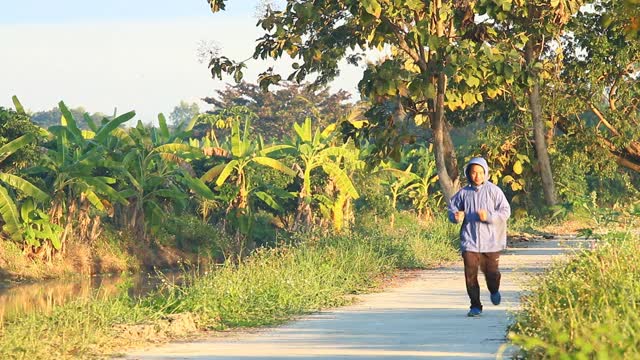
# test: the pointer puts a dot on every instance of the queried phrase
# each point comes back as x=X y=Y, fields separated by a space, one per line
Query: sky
x=122 y=55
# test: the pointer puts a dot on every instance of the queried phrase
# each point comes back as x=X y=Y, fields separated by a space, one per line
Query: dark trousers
x=488 y=263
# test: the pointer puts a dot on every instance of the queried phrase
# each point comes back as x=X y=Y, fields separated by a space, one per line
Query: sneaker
x=474 y=312
x=495 y=298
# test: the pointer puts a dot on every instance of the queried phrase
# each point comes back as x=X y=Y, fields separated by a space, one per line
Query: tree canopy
x=278 y=110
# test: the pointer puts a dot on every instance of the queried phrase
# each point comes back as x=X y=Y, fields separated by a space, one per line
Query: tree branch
x=612 y=94
x=626 y=163
x=613 y=149
x=402 y=43
x=603 y=119
x=423 y=56
x=515 y=101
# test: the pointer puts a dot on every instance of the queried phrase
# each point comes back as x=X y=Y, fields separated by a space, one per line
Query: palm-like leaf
x=70 y=122
x=170 y=194
x=246 y=142
x=199 y=187
x=226 y=172
x=24 y=186
x=236 y=146
x=268 y=199
x=18 y=105
x=164 y=130
x=174 y=148
x=341 y=178
x=213 y=173
x=102 y=187
x=339 y=152
x=304 y=131
x=12 y=146
x=90 y=122
x=94 y=200
x=274 y=164
x=9 y=214
x=107 y=129
x=173 y=158
x=275 y=148
x=123 y=136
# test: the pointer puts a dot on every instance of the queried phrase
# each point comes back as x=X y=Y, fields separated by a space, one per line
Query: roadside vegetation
x=268 y=288
x=585 y=308
x=296 y=199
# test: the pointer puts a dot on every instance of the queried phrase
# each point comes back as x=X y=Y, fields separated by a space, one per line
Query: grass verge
x=268 y=288
x=586 y=308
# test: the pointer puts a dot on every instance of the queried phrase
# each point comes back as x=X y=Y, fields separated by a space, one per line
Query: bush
x=373 y=199
x=12 y=126
x=190 y=233
x=578 y=173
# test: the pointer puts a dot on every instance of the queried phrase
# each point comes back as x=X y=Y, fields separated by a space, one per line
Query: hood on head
x=477 y=161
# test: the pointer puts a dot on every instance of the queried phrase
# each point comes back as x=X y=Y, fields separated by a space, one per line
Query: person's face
x=476 y=174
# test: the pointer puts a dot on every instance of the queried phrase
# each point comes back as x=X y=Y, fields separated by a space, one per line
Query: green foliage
x=601 y=83
x=373 y=196
x=245 y=152
x=46 y=119
x=268 y=288
x=12 y=126
x=438 y=58
x=155 y=170
x=585 y=308
x=274 y=190
x=71 y=170
x=8 y=209
x=318 y=155
x=192 y=234
x=632 y=15
x=276 y=111
x=580 y=173
x=9 y=214
x=183 y=112
x=421 y=191
x=37 y=226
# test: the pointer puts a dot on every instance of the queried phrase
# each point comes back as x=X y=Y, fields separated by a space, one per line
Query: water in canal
x=43 y=296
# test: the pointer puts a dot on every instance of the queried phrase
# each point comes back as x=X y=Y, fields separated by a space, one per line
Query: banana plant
x=315 y=150
x=245 y=153
x=75 y=169
x=8 y=209
x=38 y=229
x=415 y=183
x=154 y=168
x=398 y=185
x=425 y=177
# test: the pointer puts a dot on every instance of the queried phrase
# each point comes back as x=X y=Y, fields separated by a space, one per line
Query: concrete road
x=424 y=318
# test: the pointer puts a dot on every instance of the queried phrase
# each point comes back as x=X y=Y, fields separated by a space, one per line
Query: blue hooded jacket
x=475 y=235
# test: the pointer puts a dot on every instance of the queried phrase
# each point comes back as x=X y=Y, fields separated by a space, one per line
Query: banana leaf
x=24 y=186
x=9 y=214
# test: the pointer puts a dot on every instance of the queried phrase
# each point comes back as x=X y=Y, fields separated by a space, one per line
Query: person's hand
x=459 y=216
x=482 y=214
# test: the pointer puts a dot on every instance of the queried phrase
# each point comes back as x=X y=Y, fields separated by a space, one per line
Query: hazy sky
x=127 y=54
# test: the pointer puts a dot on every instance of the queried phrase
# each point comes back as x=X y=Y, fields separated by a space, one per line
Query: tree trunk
x=451 y=162
x=444 y=153
x=542 y=154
